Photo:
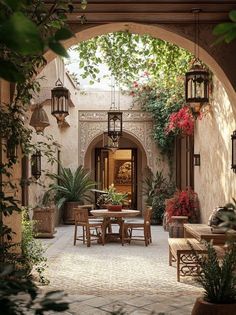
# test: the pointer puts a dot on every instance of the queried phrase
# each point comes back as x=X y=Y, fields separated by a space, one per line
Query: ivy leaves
x=226 y=31
x=128 y=55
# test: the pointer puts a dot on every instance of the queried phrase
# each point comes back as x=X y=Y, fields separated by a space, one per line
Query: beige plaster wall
x=91 y=100
x=215 y=181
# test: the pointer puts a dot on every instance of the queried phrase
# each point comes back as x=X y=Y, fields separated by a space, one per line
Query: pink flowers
x=181 y=122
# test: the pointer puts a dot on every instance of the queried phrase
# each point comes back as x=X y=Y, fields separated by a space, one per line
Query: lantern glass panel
x=115 y=123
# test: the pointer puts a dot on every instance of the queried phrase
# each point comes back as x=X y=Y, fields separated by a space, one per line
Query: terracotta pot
x=114 y=207
x=68 y=211
x=202 y=307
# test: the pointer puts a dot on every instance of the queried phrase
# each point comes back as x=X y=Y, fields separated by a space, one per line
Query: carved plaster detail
x=102 y=116
x=138 y=124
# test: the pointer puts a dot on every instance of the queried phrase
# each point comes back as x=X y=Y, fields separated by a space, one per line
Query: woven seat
x=144 y=226
x=91 y=228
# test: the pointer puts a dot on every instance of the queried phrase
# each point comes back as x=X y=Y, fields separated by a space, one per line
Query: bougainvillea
x=181 y=122
x=183 y=203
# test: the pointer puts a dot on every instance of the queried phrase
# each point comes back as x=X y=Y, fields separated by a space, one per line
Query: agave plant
x=71 y=186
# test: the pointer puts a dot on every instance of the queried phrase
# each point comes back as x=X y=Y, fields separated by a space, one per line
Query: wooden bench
x=181 y=253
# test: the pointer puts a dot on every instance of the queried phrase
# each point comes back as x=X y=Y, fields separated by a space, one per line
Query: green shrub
x=32 y=249
x=158 y=188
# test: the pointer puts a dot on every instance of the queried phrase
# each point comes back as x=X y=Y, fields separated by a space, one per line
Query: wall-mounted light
x=59 y=101
x=233 y=138
x=36 y=164
x=196 y=160
x=39 y=119
x=11 y=149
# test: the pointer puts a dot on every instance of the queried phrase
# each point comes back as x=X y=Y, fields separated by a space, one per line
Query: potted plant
x=70 y=190
x=218 y=280
x=181 y=208
x=112 y=199
x=157 y=188
x=44 y=217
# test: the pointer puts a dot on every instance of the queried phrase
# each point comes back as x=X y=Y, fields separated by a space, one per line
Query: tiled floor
x=130 y=279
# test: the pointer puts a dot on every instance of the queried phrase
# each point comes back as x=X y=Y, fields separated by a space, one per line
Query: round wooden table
x=118 y=218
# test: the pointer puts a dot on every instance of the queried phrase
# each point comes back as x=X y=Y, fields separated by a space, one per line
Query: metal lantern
x=36 y=164
x=11 y=149
x=233 y=137
x=197 y=86
x=197 y=159
x=39 y=119
x=59 y=101
x=109 y=144
x=114 y=125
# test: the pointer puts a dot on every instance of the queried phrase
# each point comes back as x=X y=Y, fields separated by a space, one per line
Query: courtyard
x=133 y=278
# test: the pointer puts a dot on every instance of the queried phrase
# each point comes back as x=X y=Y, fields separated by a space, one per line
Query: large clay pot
x=44 y=218
x=68 y=211
x=202 y=307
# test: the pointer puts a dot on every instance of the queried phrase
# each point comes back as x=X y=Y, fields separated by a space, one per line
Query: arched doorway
x=107 y=167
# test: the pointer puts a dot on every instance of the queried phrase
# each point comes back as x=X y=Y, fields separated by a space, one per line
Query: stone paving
x=115 y=279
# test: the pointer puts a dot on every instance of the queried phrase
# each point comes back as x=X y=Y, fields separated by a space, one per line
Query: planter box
x=45 y=222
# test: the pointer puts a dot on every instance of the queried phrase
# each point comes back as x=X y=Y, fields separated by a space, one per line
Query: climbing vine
x=127 y=56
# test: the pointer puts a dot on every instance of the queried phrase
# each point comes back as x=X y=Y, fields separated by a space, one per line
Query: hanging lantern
x=233 y=138
x=36 y=164
x=197 y=87
x=197 y=78
x=59 y=101
x=114 y=125
x=39 y=119
x=109 y=144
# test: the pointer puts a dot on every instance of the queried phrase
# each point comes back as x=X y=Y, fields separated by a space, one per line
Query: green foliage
x=31 y=28
x=226 y=31
x=217 y=277
x=71 y=186
x=19 y=295
x=158 y=188
x=161 y=101
x=32 y=249
x=127 y=56
x=111 y=197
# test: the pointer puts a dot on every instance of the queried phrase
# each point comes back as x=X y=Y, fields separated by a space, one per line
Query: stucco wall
x=215 y=181
x=93 y=102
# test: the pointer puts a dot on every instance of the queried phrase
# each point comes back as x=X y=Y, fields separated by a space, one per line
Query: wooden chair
x=91 y=228
x=145 y=227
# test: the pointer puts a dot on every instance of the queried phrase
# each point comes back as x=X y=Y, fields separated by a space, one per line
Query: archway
x=140 y=164
x=171 y=35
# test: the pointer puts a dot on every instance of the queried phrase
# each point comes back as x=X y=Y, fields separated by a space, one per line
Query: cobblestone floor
x=131 y=279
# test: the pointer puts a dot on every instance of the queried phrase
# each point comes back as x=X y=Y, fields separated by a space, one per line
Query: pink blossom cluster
x=181 y=122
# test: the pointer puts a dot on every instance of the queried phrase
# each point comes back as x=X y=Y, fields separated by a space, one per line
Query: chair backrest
x=81 y=215
x=147 y=215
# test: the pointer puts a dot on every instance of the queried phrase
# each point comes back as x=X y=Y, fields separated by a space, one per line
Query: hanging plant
x=181 y=122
